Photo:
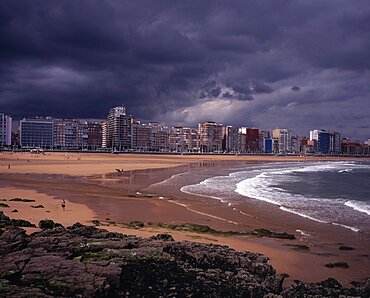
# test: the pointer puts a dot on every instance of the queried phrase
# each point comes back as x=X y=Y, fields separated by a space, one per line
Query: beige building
x=183 y=139
x=210 y=136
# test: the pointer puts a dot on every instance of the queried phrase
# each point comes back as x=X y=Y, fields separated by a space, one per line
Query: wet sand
x=94 y=190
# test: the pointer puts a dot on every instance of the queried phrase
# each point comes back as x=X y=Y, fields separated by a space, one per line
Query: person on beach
x=8 y=167
x=63 y=204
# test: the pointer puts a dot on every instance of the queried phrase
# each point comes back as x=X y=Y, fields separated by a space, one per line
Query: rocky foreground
x=84 y=261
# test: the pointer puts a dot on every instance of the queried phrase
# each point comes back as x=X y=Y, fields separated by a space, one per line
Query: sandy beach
x=94 y=190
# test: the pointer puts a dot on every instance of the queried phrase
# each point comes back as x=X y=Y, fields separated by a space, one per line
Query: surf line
x=202 y=213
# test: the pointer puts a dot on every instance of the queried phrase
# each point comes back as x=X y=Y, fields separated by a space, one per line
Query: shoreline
x=117 y=200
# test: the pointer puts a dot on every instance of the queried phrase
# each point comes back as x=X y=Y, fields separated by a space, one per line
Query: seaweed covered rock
x=90 y=262
x=48 y=224
x=84 y=261
x=5 y=221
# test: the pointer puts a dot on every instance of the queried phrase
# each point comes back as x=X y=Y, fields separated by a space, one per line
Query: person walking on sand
x=63 y=204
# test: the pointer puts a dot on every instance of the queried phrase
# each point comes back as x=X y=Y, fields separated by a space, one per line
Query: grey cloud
x=78 y=58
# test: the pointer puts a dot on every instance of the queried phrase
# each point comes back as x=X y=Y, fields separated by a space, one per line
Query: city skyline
x=119 y=131
x=301 y=65
x=16 y=125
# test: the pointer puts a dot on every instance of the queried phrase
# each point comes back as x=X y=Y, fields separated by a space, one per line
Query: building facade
x=251 y=139
x=335 y=143
x=230 y=139
x=282 y=140
x=210 y=137
x=263 y=136
x=119 y=129
x=37 y=132
x=159 y=136
x=70 y=133
x=323 y=142
x=5 y=130
x=141 y=136
x=104 y=133
x=183 y=139
x=94 y=135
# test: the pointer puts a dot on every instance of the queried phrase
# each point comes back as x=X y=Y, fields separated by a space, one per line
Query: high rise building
x=242 y=141
x=335 y=142
x=5 y=130
x=295 y=144
x=282 y=140
x=94 y=135
x=159 y=136
x=210 y=136
x=36 y=132
x=183 y=139
x=267 y=145
x=314 y=134
x=104 y=134
x=119 y=134
x=275 y=140
x=230 y=139
x=285 y=141
x=70 y=133
x=251 y=138
x=140 y=136
x=326 y=141
x=323 y=142
x=263 y=136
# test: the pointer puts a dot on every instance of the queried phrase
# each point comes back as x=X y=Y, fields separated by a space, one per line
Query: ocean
x=330 y=192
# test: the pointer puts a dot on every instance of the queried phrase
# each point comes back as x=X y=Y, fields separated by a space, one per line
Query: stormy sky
x=291 y=64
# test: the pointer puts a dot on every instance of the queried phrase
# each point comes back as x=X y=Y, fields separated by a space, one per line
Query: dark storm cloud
x=164 y=60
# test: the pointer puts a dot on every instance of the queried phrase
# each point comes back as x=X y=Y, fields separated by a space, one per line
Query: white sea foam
x=184 y=190
x=347 y=227
x=266 y=183
x=241 y=212
x=202 y=213
x=301 y=214
x=345 y=171
x=358 y=206
x=303 y=233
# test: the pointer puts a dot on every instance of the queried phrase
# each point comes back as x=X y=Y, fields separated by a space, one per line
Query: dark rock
x=363 y=290
x=4 y=218
x=136 y=224
x=271 y=234
x=4 y=205
x=299 y=247
x=48 y=224
x=337 y=265
x=15 y=210
x=37 y=206
x=5 y=221
x=84 y=261
x=22 y=223
x=345 y=247
x=331 y=283
x=22 y=200
x=163 y=237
